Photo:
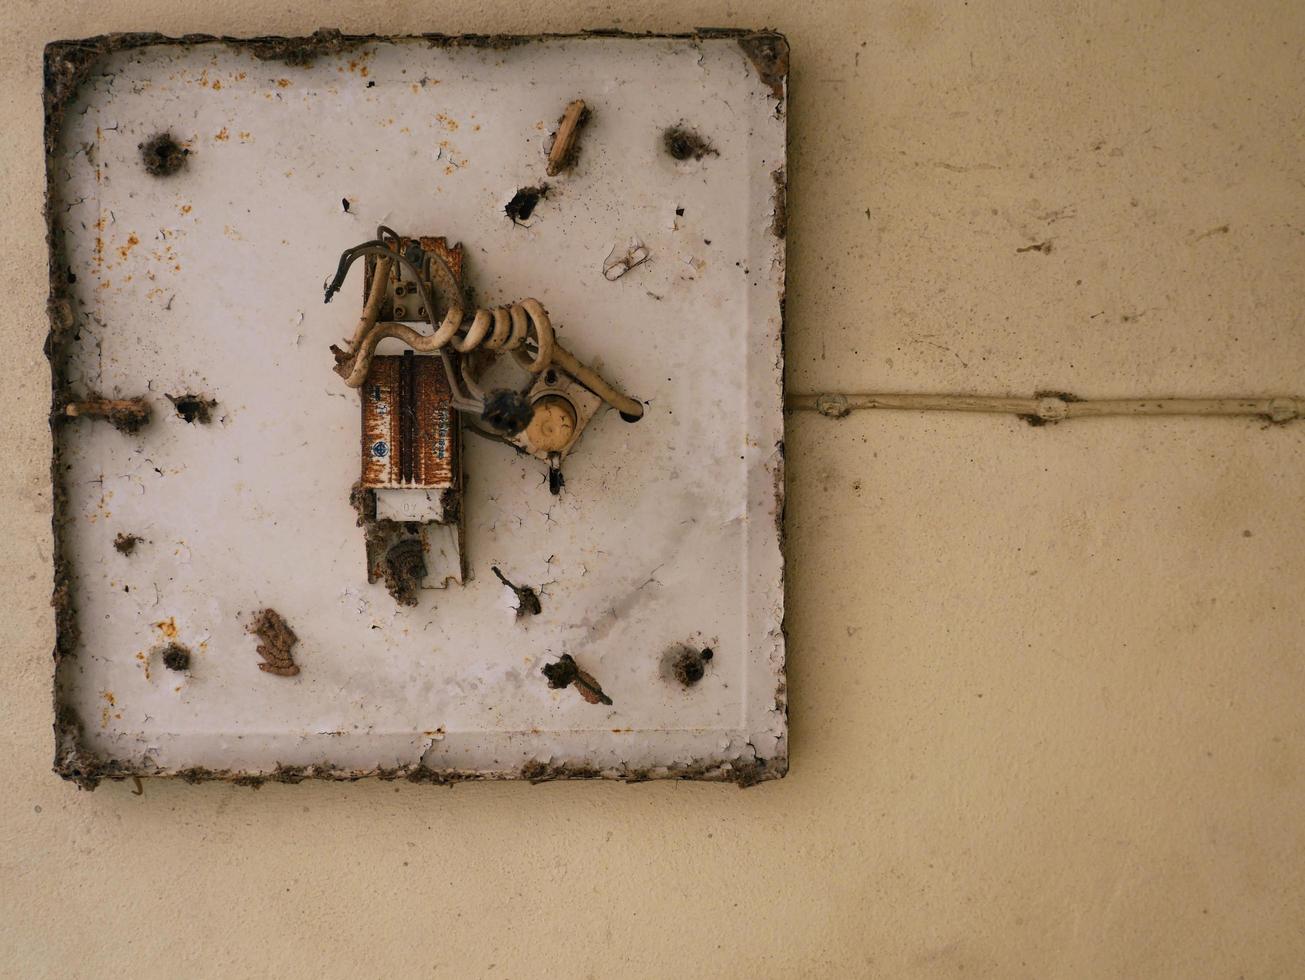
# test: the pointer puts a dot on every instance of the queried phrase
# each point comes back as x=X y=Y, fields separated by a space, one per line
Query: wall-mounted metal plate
x=188 y=272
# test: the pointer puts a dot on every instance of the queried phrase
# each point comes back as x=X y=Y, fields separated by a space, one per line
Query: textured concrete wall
x=1046 y=684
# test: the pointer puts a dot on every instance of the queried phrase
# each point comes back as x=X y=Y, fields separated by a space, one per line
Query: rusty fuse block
x=409 y=430
x=411 y=450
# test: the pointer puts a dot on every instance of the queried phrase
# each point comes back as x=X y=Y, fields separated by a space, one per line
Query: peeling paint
x=768 y=53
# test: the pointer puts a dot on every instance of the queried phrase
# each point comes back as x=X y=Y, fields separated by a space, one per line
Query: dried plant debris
x=124 y=414
x=527 y=598
x=163 y=155
x=565 y=151
x=193 y=408
x=125 y=544
x=523 y=202
x=566 y=673
x=277 y=640
x=683 y=143
x=621 y=259
x=176 y=657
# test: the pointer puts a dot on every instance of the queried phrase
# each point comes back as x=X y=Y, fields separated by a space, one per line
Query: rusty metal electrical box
x=508 y=504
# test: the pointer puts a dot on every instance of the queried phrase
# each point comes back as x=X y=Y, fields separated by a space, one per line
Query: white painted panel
x=210 y=281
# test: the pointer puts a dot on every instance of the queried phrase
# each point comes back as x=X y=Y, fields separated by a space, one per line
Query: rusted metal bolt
x=176 y=657
x=691 y=665
x=162 y=155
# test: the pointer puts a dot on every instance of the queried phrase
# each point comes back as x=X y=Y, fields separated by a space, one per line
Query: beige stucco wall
x=1046 y=684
